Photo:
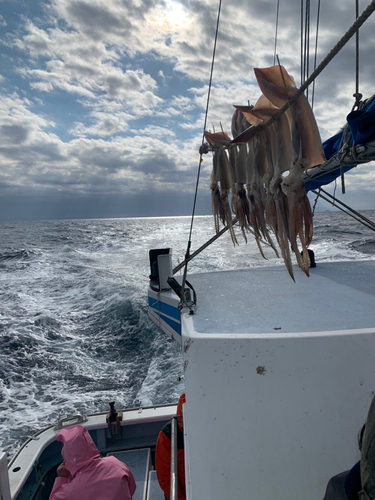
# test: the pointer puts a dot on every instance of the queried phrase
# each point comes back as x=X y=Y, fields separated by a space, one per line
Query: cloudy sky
x=102 y=101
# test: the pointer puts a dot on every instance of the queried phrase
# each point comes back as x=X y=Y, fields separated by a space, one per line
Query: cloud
x=14 y=134
x=90 y=80
x=110 y=97
x=104 y=125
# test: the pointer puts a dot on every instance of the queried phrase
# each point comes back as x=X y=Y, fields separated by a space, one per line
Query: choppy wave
x=74 y=331
x=15 y=255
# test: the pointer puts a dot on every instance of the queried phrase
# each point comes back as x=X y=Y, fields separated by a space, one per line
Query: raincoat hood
x=181 y=401
x=78 y=448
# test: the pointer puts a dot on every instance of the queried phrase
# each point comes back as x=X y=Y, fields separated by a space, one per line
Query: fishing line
x=201 y=151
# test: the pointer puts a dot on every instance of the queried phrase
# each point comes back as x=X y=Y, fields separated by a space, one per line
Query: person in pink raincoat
x=94 y=478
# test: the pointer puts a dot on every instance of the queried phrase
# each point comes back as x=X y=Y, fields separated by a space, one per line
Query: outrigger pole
x=349 y=211
x=205 y=245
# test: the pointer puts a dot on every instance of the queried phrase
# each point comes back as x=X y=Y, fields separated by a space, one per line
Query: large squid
x=278 y=87
x=280 y=156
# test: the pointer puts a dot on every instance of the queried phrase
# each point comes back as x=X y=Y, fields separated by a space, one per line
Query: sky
x=102 y=102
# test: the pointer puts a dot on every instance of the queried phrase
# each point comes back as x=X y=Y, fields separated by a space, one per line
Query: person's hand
x=62 y=471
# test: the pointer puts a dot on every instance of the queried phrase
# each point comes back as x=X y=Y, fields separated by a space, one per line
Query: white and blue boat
x=279 y=375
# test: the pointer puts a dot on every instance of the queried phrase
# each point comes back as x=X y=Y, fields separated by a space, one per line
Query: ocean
x=74 y=331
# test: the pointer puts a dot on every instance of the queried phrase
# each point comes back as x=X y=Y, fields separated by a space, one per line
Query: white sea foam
x=74 y=331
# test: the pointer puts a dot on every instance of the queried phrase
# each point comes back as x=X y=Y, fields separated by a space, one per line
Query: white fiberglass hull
x=279 y=378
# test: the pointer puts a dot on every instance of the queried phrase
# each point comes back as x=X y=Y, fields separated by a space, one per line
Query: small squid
x=221 y=182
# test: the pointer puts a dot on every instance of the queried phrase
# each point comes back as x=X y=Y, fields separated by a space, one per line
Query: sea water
x=74 y=331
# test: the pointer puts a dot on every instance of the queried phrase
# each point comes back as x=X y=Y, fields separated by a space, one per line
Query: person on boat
x=344 y=486
x=368 y=457
x=93 y=477
x=163 y=455
x=359 y=482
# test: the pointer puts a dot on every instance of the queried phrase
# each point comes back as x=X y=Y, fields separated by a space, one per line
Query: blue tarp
x=362 y=129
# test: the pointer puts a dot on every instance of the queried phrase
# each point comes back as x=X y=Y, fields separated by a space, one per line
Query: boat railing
x=4 y=478
x=173 y=491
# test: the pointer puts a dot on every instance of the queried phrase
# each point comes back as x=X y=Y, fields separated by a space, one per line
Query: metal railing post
x=4 y=478
x=174 y=492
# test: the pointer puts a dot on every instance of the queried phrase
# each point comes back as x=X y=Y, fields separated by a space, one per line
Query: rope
x=201 y=154
x=316 y=51
x=277 y=24
x=315 y=203
x=336 y=49
x=357 y=97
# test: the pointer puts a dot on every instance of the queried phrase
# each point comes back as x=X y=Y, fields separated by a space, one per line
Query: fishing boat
x=279 y=375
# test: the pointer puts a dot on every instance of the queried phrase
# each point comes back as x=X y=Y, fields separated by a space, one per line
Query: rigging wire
x=334 y=51
x=307 y=44
x=349 y=211
x=316 y=51
x=302 y=80
x=357 y=103
x=201 y=153
x=357 y=95
x=357 y=56
x=277 y=25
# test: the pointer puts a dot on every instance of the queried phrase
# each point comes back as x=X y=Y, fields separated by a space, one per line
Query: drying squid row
x=262 y=169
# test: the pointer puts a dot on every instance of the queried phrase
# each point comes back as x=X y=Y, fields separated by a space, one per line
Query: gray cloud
x=120 y=133
x=95 y=19
x=15 y=134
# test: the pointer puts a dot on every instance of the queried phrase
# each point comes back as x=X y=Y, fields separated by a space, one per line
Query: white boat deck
x=281 y=374
x=337 y=296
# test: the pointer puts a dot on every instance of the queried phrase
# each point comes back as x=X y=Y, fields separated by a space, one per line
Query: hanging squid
x=240 y=202
x=278 y=87
x=221 y=182
x=261 y=202
x=280 y=152
x=258 y=196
